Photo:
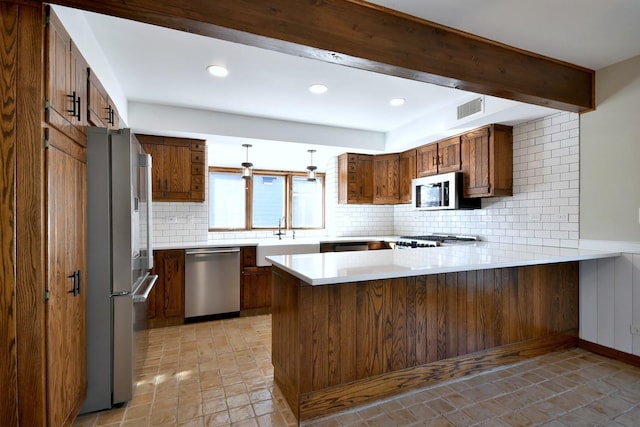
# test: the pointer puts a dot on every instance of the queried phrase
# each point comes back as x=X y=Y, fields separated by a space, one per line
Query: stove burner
x=430 y=240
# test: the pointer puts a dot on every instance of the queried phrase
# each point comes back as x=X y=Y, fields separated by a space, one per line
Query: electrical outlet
x=533 y=218
x=635 y=329
x=561 y=217
x=190 y=219
x=171 y=219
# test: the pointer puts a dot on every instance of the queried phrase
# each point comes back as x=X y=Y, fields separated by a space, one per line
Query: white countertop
x=219 y=243
x=340 y=267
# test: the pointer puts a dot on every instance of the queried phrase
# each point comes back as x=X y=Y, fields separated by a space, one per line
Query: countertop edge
x=552 y=259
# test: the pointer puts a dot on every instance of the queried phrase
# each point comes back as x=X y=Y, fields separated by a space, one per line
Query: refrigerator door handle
x=146 y=290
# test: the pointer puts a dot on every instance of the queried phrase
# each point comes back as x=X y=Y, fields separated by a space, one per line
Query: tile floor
x=219 y=373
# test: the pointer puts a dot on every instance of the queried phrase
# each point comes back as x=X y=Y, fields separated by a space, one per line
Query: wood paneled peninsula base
x=341 y=345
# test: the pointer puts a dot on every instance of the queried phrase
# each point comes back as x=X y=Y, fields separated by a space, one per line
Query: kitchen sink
x=284 y=247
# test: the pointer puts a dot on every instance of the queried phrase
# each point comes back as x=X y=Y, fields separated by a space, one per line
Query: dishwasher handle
x=212 y=251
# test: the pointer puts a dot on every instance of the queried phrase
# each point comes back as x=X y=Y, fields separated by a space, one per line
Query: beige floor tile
x=220 y=374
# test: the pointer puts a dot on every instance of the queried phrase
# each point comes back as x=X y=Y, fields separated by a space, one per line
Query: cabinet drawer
x=352 y=176
x=197 y=169
x=197 y=146
x=197 y=157
x=352 y=167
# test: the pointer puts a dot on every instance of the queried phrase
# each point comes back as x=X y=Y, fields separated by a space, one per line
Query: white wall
x=610 y=145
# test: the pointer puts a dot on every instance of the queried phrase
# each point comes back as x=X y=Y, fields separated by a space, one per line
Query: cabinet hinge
x=45 y=103
x=47 y=295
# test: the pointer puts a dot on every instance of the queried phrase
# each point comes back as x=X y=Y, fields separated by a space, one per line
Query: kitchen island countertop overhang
x=335 y=268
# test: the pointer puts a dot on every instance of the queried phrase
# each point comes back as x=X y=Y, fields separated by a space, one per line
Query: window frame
x=288 y=197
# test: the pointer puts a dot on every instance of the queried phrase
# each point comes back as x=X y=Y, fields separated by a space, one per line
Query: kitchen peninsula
x=352 y=328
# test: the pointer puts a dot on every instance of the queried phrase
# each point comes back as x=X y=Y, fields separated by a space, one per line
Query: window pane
x=226 y=201
x=307 y=203
x=268 y=200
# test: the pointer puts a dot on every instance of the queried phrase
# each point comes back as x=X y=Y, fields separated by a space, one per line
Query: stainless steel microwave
x=438 y=192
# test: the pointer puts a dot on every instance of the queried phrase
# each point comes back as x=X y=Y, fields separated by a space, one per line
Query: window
x=227 y=205
x=267 y=200
x=306 y=197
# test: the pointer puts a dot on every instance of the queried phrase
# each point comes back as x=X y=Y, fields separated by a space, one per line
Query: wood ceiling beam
x=357 y=34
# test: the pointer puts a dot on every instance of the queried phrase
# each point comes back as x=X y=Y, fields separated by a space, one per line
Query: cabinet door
x=427 y=160
x=407 y=173
x=476 y=163
x=153 y=145
x=58 y=75
x=177 y=170
x=98 y=103
x=256 y=288
x=364 y=179
x=449 y=159
x=173 y=278
x=386 y=178
x=78 y=69
x=66 y=306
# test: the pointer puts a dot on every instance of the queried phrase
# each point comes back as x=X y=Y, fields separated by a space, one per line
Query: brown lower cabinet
x=166 y=300
x=255 y=288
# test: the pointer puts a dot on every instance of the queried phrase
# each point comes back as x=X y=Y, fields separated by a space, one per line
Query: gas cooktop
x=433 y=240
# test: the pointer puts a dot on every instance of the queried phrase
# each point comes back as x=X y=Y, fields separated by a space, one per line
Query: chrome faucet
x=282 y=222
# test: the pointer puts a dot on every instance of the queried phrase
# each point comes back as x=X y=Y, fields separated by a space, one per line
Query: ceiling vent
x=469 y=108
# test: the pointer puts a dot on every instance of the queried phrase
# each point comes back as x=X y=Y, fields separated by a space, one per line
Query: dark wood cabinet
x=66 y=171
x=484 y=155
x=65 y=82
x=65 y=168
x=386 y=179
x=178 y=167
x=101 y=110
x=355 y=178
x=166 y=300
x=407 y=173
x=439 y=157
x=255 y=289
x=487 y=161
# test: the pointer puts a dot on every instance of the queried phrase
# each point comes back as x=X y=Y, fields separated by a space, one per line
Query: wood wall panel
x=351 y=333
x=8 y=332
x=22 y=236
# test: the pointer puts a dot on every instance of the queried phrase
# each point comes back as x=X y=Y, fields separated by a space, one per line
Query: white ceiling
x=161 y=66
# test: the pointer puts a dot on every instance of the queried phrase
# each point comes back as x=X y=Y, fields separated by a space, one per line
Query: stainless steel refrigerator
x=119 y=258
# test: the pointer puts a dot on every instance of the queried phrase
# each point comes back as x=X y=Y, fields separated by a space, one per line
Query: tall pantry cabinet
x=65 y=196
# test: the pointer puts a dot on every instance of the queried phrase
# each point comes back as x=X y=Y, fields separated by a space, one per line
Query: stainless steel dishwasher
x=212 y=282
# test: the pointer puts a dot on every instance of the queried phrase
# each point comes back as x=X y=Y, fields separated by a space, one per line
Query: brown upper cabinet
x=355 y=178
x=487 y=161
x=386 y=179
x=439 y=157
x=407 y=173
x=484 y=155
x=65 y=82
x=101 y=109
x=178 y=167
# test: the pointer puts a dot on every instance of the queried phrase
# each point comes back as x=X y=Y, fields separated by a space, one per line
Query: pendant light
x=247 y=173
x=311 y=170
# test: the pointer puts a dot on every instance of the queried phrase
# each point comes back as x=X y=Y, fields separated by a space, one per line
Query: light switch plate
x=171 y=219
x=635 y=329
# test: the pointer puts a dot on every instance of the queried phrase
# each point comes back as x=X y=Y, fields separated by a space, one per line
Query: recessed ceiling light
x=318 y=88
x=396 y=102
x=217 y=70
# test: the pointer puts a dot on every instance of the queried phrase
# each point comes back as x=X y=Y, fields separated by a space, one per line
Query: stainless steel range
x=431 y=240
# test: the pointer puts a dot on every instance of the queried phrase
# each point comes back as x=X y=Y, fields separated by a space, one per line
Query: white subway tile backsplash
x=545 y=185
